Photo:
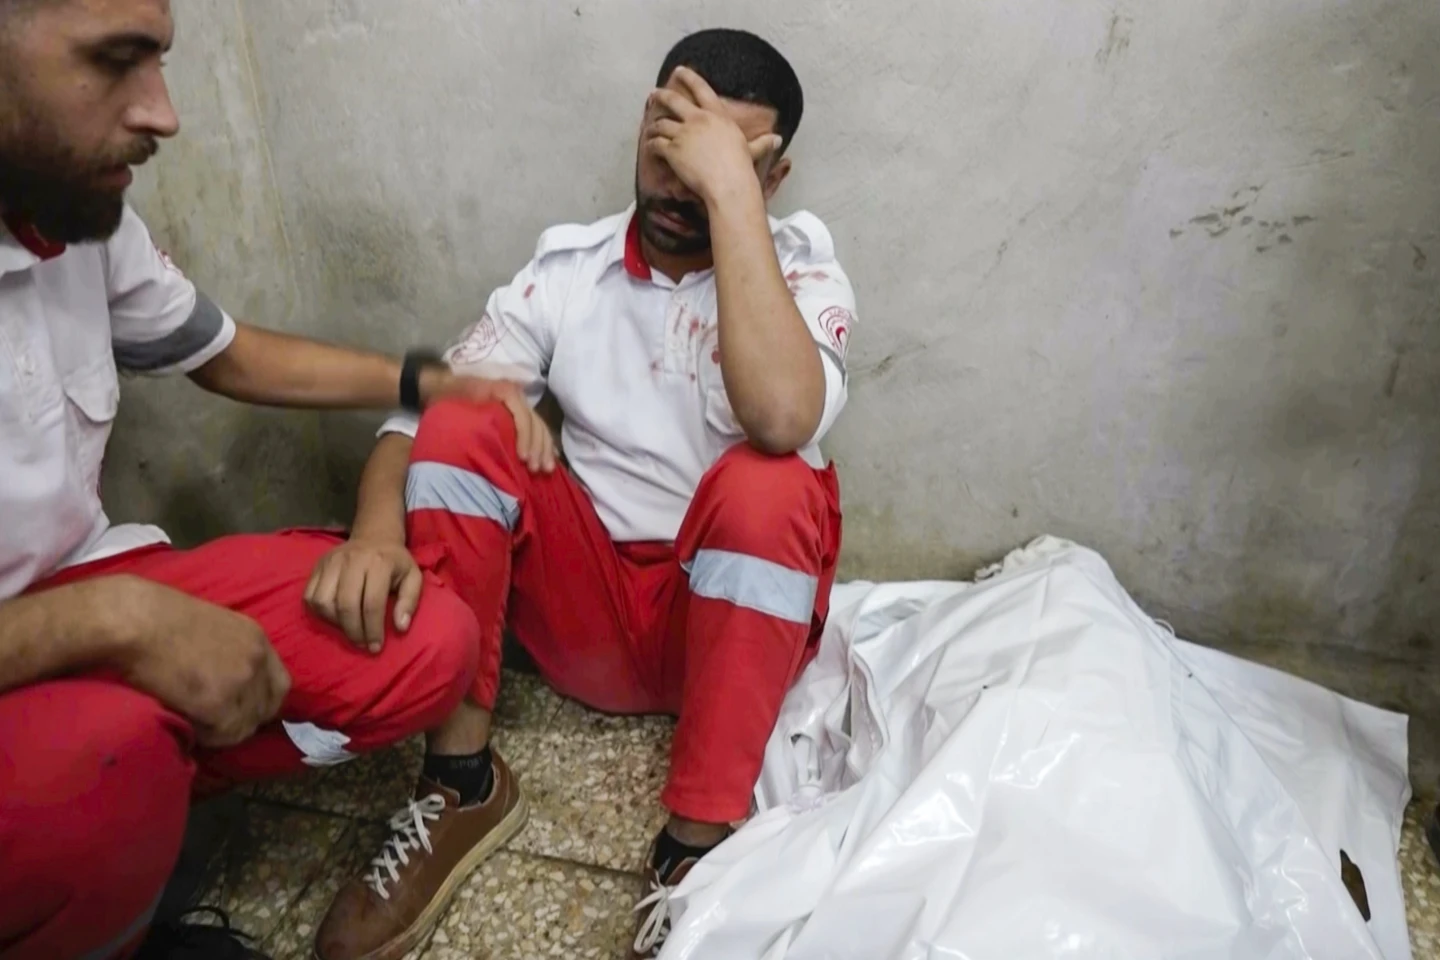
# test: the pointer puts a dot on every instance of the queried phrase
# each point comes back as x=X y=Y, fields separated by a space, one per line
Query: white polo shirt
x=69 y=317
x=633 y=360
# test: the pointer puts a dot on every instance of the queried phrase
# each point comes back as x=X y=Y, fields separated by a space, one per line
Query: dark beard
x=50 y=187
x=61 y=212
x=676 y=244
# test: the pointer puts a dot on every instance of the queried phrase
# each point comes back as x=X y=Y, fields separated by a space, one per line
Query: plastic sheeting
x=1030 y=768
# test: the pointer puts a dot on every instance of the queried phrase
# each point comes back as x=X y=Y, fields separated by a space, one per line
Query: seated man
x=683 y=562
x=133 y=674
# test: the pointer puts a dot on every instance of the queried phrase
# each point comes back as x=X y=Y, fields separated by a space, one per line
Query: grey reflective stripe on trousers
x=198 y=331
x=131 y=932
x=753 y=583
x=439 y=486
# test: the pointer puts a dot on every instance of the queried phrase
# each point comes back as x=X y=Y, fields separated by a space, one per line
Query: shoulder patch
x=836 y=322
x=477 y=342
x=570 y=237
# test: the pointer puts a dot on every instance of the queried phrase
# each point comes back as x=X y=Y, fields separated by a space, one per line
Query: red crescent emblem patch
x=836 y=323
x=477 y=342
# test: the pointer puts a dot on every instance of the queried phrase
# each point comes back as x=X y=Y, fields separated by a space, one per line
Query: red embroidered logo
x=836 y=323
x=477 y=342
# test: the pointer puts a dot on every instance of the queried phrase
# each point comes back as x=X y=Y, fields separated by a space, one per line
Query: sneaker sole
x=429 y=918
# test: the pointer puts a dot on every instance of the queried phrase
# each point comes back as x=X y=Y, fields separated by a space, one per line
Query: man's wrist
x=734 y=190
x=368 y=531
x=122 y=616
x=422 y=376
x=433 y=383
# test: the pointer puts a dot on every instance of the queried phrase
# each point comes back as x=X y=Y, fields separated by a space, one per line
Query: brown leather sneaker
x=435 y=845
x=655 y=925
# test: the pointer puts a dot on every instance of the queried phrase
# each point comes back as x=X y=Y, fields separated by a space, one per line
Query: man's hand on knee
x=209 y=664
x=534 y=443
x=352 y=584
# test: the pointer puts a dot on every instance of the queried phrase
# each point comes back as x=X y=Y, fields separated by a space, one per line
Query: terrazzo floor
x=565 y=886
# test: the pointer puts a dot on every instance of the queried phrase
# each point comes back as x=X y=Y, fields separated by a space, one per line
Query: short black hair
x=741 y=66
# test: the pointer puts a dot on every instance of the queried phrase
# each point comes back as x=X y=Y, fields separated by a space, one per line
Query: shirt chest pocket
x=719 y=415
x=92 y=395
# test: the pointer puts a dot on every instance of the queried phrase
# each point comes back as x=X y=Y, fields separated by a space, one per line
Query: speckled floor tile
x=1421 y=876
x=525 y=702
x=369 y=787
x=269 y=864
x=518 y=907
x=294 y=939
x=594 y=785
x=373 y=786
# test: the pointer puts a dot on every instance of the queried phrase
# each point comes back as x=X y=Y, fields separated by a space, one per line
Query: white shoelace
x=657 y=925
x=410 y=834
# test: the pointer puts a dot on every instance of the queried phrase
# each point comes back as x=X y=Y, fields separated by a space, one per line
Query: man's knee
x=91 y=817
x=451 y=642
x=440 y=654
x=752 y=496
x=455 y=428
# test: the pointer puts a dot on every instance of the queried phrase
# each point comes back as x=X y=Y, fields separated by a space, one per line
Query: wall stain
x=1265 y=234
x=1117 y=39
x=1393 y=378
x=1219 y=220
x=1420 y=258
x=877 y=370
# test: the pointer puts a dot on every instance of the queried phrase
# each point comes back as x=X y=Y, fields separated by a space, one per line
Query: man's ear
x=779 y=170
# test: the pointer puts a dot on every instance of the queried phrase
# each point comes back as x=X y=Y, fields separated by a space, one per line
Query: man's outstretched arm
x=277 y=369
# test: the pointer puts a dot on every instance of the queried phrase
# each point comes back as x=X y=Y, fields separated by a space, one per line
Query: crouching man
x=134 y=675
x=682 y=562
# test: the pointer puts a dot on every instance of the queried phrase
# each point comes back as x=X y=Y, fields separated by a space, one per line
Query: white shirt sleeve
x=827 y=302
x=160 y=323
x=514 y=339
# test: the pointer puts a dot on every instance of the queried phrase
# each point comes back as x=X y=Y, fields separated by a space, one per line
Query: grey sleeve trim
x=204 y=324
x=836 y=359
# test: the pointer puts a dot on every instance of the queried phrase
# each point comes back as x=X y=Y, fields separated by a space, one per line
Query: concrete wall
x=197 y=464
x=1157 y=277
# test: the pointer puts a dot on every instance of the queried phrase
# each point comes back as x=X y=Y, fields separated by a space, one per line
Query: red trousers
x=713 y=628
x=96 y=778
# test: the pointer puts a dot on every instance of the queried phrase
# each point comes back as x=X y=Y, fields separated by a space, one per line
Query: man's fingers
x=279 y=685
x=407 y=597
x=548 y=451
x=372 y=605
x=350 y=602
x=524 y=429
x=663 y=127
x=313 y=582
x=541 y=445
x=322 y=598
x=701 y=92
x=677 y=105
x=762 y=147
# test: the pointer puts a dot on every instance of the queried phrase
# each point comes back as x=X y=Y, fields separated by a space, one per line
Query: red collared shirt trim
x=635 y=263
x=31 y=239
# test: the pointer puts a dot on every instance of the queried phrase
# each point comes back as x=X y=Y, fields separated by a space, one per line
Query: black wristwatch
x=415 y=362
